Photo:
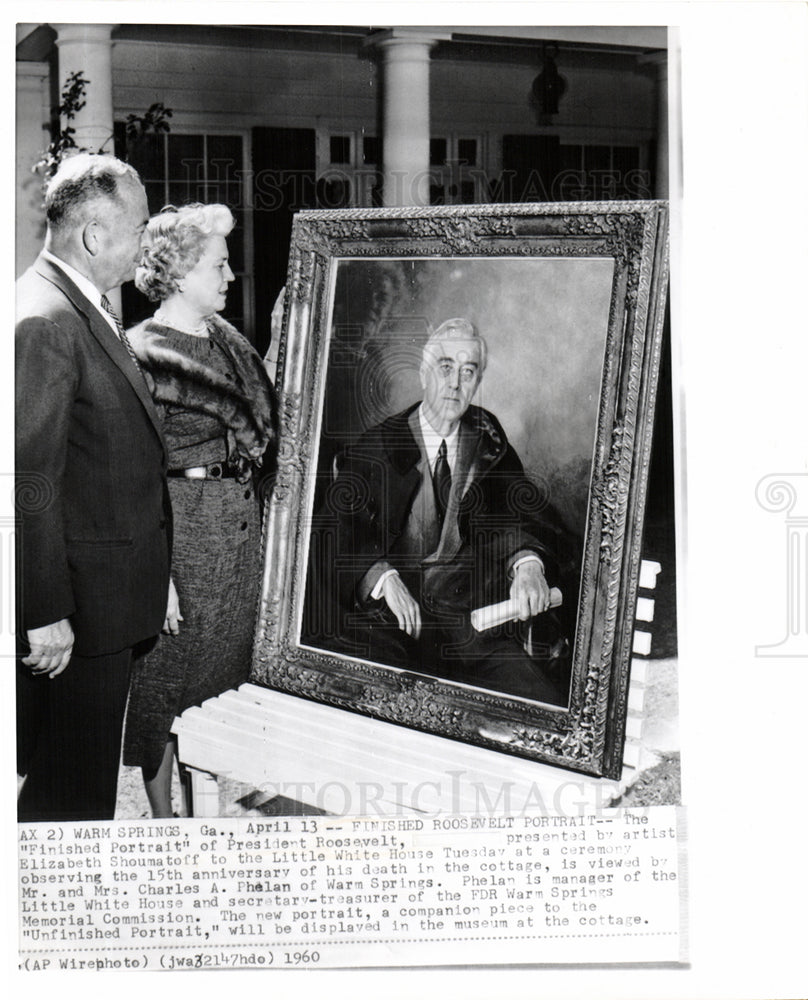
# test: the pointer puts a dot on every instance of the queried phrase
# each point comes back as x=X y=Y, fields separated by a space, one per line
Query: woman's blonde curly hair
x=174 y=242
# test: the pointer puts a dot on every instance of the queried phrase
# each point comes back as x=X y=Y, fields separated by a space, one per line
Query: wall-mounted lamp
x=549 y=86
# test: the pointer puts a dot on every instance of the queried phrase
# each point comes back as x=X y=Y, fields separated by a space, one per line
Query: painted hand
x=529 y=589
x=403 y=605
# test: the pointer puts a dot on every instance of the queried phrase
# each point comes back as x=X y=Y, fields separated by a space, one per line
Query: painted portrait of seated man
x=429 y=517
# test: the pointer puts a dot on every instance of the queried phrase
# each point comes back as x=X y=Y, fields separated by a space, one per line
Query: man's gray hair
x=80 y=180
x=459 y=329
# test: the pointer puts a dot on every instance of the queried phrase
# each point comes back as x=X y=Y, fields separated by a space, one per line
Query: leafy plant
x=73 y=99
x=154 y=121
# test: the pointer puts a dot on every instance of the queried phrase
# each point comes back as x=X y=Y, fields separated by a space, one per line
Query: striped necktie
x=442 y=481
x=107 y=306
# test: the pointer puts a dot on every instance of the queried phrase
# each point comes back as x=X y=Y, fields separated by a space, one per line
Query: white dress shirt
x=432 y=442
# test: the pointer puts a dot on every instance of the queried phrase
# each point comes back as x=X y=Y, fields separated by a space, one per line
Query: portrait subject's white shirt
x=432 y=442
x=84 y=285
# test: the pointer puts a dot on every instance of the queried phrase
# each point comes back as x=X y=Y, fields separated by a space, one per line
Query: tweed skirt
x=216 y=568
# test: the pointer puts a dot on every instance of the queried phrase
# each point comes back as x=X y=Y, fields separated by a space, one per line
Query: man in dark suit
x=435 y=518
x=93 y=551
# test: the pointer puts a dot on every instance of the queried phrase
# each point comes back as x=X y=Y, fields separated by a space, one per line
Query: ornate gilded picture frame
x=556 y=315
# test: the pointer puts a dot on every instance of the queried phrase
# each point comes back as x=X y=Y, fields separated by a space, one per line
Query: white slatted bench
x=348 y=764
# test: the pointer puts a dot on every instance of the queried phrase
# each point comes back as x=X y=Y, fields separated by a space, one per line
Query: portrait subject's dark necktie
x=107 y=306
x=442 y=481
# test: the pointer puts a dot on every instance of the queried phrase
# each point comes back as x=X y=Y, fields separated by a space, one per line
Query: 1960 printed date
x=302 y=958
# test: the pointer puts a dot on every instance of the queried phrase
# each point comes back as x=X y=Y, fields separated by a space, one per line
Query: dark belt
x=217 y=470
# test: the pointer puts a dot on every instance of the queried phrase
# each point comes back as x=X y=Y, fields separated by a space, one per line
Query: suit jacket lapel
x=404 y=457
x=102 y=332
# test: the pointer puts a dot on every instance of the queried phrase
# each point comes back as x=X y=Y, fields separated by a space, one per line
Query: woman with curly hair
x=219 y=418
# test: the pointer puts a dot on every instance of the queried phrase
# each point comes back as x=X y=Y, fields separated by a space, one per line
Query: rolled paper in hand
x=507 y=611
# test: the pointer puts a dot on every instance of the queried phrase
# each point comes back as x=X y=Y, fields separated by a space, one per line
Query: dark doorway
x=530 y=166
x=284 y=167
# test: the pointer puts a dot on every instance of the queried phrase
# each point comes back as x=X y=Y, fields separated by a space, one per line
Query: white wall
x=32 y=139
x=239 y=88
x=245 y=87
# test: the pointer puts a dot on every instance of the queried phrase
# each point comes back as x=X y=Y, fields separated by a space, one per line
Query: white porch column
x=32 y=137
x=405 y=113
x=88 y=47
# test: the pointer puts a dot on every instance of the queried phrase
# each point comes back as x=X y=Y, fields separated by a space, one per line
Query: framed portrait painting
x=453 y=539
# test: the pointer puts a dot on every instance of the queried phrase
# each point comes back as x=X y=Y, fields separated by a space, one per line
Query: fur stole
x=245 y=405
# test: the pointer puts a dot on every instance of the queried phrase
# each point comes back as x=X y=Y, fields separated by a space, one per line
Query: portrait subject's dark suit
x=94 y=538
x=383 y=505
